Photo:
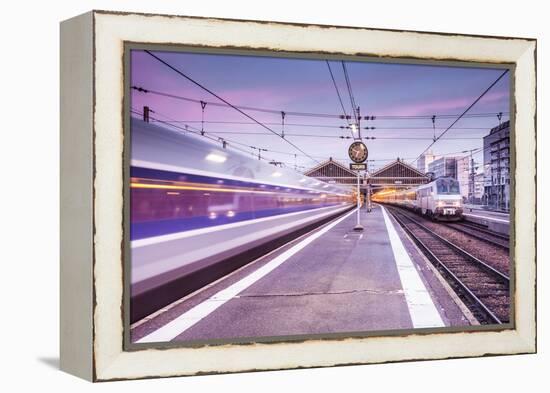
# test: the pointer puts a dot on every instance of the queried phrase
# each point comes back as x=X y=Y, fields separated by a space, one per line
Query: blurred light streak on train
x=199 y=211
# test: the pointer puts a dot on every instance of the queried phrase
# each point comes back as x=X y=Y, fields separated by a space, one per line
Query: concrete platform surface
x=332 y=280
x=495 y=221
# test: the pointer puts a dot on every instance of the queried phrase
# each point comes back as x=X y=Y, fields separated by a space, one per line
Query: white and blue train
x=199 y=211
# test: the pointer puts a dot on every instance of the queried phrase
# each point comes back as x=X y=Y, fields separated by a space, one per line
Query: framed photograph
x=248 y=195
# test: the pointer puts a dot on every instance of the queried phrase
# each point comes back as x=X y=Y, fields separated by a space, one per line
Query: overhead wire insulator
x=140 y=89
x=203 y=106
x=433 y=124
x=283 y=124
x=146 y=114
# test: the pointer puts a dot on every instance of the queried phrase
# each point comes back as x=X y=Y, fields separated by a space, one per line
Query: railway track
x=482 y=233
x=485 y=290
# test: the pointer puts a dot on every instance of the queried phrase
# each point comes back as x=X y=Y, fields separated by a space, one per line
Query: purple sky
x=298 y=85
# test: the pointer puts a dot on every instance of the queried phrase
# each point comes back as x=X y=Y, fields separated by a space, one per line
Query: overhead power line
x=223 y=100
x=215 y=137
x=463 y=113
x=351 y=97
x=208 y=135
x=335 y=136
x=310 y=114
x=404 y=128
x=338 y=94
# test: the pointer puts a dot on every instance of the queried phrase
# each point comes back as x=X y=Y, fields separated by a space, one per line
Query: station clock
x=358 y=152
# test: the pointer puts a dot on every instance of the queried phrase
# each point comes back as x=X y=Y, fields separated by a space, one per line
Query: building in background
x=463 y=176
x=496 y=162
x=443 y=166
x=424 y=160
x=479 y=187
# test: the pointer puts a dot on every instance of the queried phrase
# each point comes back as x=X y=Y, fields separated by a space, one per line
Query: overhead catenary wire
x=215 y=138
x=325 y=125
x=338 y=94
x=463 y=113
x=342 y=137
x=222 y=100
x=304 y=154
x=209 y=135
x=310 y=114
x=351 y=97
x=325 y=136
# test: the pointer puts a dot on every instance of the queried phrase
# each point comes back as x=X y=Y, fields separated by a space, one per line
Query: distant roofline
x=500 y=127
x=396 y=162
x=326 y=162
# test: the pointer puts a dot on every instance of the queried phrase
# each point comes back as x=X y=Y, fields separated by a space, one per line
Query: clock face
x=358 y=152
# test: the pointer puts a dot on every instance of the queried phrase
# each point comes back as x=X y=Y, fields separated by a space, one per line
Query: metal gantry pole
x=472 y=184
x=358 y=227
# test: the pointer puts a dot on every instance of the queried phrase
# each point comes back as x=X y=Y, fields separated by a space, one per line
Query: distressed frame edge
x=528 y=340
x=76 y=196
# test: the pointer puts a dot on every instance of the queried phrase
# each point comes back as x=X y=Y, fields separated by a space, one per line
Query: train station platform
x=331 y=280
x=495 y=220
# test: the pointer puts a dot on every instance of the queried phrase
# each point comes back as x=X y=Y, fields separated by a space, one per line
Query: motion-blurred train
x=439 y=200
x=199 y=211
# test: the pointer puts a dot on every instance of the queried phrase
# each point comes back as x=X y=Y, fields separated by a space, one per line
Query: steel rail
x=468 y=257
x=503 y=241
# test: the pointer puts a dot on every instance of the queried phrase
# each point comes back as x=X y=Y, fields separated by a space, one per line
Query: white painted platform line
x=422 y=309
x=186 y=320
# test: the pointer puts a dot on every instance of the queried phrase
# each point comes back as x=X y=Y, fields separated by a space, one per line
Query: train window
x=447 y=186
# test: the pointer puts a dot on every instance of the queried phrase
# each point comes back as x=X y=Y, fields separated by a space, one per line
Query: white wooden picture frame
x=92 y=194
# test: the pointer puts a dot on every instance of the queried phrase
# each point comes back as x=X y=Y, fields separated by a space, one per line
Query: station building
x=396 y=174
x=332 y=171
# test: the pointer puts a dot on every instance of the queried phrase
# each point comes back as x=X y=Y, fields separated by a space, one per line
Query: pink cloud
x=439 y=106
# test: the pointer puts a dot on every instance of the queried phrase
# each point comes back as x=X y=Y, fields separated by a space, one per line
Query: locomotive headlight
x=456 y=203
x=440 y=203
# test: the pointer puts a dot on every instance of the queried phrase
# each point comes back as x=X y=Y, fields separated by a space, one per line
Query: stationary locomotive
x=440 y=200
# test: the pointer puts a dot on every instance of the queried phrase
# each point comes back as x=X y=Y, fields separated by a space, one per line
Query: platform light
x=218 y=158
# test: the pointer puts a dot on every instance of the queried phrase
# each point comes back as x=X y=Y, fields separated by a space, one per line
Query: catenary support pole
x=358 y=227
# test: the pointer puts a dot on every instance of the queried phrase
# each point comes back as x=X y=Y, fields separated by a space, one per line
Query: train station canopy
x=332 y=172
x=397 y=174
